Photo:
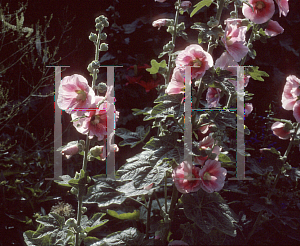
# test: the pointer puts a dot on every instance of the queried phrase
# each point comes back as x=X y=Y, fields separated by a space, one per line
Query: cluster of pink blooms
x=77 y=98
x=290 y=101
x=263 y=12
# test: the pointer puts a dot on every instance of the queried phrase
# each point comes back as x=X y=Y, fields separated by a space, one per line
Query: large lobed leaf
x=209 y=210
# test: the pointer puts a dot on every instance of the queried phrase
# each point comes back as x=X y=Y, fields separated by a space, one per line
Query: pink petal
x=273 y=28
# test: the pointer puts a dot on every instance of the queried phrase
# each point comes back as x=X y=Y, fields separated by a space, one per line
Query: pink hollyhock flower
x=74 y=92
x=263 y=10
x=213 y=97
x=95 y=121
x=177 y=242
x=70 y=150
x=176 y=85
x=235 y=39
x=183 y=185
x=207 y=143
x=273 y=28
x=186 y=5
x=291 y=92
x=248 y=109
x=281 y=130
x=283 y=6
x=159 y=23
x=194 y=55
x=296 y=111
x=212 y=176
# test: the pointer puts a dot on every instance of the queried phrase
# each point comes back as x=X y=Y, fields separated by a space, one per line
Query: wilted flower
x=291 y=92
x=281 y=130
x=159 y=23
x=63 y=209
x=74 y=92
x=72 y=148
x=234 y=39
x=263 y=10
x=212 y=176
x=213 y=97
x=283 y=6
x=183 y=185
x=273 y=28
x=194 y=55
x=186 y=5
x=176 y=84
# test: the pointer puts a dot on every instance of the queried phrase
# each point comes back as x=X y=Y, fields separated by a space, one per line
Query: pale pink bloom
x=283 y=6
x=194 y=55
x=68 y=151
x=183 y=185
x=212 y=176
x=176 y=84
x=148 y=187
x=159 y=23
x=95 y=121
x=280 y=130
x=213 y=97
x=291 y=92
x=177 y=242
x=186 y=5
x=235 y=39
x=296 y=111
x=74 y=92
x=248 y=109
x=205 y=129
x=273 y=28
x=207 y=143
x=263 y=10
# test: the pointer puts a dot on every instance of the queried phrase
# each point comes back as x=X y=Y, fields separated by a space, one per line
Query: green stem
x=274 y=185
x=148 y=217
x=166 y=194
x=173 y=202
x=250 y=40
x=173 y=42
x=96 y=59
x=82 y=188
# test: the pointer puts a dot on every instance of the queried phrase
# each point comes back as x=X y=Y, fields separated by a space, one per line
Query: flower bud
x=99 y=27
x=95 y=64
x=181 y=26
x=103 y=36
x=93 y=37
x=233 y=14
x=212 y=22
x=102 y=87
x=96 y=151
x=74 y=191
x=90 y=68
x=71 y=222
x=170 y=29
x=83 y=209
x=105 y=23
x=103 y=47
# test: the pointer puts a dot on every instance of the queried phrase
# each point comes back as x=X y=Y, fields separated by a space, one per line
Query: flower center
x=95 y=119
x=260 y=5
x=197 y=62
x=81 y=95
x=206 y=176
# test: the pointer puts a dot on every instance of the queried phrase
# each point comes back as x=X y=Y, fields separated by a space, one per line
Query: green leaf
x=155 y=66
x=132 y=138
x=224 y=158
x=256 y=74
x=92 y=224
x=65 y=180
x=130 y=236
x=135 y=215
x=209 y=210
x=200 y=5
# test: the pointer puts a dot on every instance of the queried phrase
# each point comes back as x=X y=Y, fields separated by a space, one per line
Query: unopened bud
x=212 y=22
x=105 y=23
x=181 y=26
x=102 y=87
x=103 y=36
x=99 y=27
x=96 y=151
x=103 y=47
x=93 y=37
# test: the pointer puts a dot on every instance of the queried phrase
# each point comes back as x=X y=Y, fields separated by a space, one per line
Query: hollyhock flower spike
x=235 y=39
x=212 y=176
x=291 y=92
x=263 y=10
x=281 y=130
x=184 y=185
x=194 y=55
x=283 y=6
x=74 y=92
x=273 y=28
